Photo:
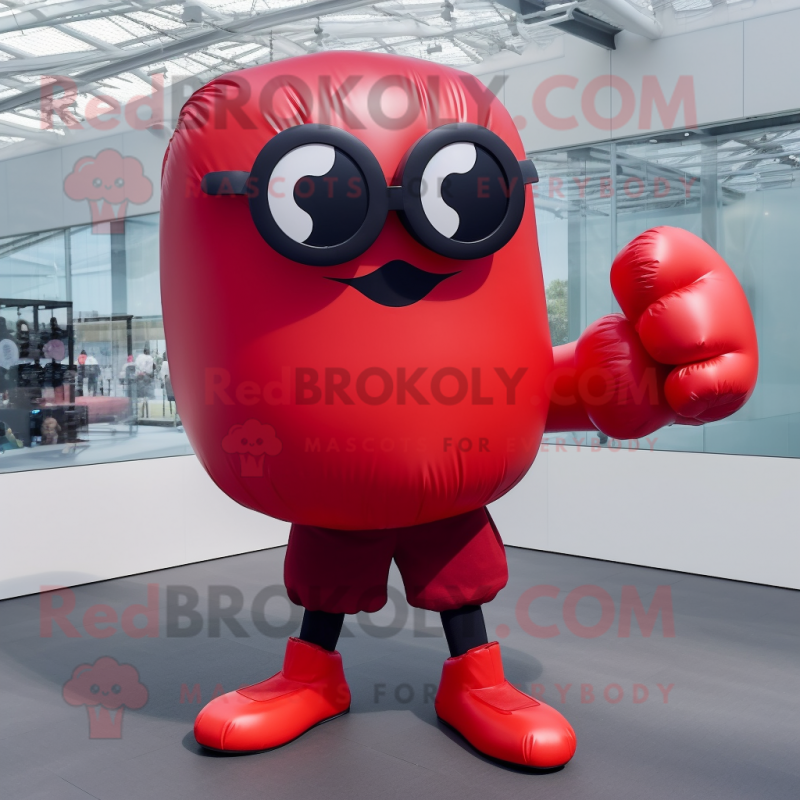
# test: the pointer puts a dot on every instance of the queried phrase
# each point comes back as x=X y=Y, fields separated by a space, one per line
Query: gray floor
x=729 y=728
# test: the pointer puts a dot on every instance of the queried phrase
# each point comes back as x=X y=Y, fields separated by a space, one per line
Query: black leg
x=464 y=629
x=321 y=628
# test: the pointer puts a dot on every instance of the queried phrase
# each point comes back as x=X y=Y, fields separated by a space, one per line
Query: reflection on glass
x=34 y=266
x=740 y=192
x=83 y=371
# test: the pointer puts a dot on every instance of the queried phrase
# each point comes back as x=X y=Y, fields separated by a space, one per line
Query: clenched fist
x=685 y=350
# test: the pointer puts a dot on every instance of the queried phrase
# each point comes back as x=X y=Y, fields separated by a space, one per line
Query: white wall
x=32 y=195
x=741 y=67
x=726 y=516
x=64 y=527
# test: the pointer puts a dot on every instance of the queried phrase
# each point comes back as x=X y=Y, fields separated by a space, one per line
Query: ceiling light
x=192 y=14
x=654 y=141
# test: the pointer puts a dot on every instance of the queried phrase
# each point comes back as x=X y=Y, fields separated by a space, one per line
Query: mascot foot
x=310 y=689
x=497 y=719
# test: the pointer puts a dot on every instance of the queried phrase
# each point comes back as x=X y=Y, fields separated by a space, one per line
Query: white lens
x=310 y=159
x=458 y=158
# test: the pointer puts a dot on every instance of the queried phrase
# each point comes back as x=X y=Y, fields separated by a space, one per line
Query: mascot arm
x=683 y=351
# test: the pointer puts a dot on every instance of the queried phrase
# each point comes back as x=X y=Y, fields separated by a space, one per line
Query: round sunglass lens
x=318 y=196
x=465 y=196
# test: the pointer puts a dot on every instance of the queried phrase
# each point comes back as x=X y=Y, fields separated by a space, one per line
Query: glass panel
x=758 y=180
x=144 y=285
x=82 y=373
x=573 y=207
x=739 y=192
x=34 y=266
x=90 y=268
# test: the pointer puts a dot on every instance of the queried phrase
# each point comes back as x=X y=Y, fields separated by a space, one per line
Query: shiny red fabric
x=246 y=326
x=683 y=351
x=689 y=310
x=498 y=719
x=310 y=689
x=445 y=565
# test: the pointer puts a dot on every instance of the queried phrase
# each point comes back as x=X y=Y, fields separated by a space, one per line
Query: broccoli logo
x=252 y=441
x=106 y=688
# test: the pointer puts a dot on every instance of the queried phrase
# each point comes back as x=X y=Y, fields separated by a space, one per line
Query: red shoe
x=310 y=689
x=495 y=718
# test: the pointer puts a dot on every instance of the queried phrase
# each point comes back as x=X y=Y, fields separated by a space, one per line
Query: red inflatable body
x=359 y=344
x=247 y=325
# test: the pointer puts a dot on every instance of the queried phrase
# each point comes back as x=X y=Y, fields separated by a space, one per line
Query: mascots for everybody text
x=356 y=318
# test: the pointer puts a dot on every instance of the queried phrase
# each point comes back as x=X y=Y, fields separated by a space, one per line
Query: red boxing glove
x=686 y=349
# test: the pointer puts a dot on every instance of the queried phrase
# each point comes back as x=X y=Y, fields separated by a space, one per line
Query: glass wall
x=84 y=376
x=83 y=372
x=737 y=190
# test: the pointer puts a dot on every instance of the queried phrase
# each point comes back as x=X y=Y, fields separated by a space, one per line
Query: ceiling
x=115 y=47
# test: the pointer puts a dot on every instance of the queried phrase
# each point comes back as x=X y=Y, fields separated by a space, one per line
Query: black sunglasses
x=318 y=195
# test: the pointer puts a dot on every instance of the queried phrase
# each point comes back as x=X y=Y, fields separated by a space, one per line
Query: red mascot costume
x=361 y=230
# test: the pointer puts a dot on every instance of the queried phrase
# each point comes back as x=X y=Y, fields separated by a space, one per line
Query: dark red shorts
x=445 y=564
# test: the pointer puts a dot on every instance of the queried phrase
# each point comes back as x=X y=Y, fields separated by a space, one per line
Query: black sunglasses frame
x=404 y=195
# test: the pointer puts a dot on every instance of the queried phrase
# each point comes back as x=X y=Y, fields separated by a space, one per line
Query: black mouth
x=396 y=284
